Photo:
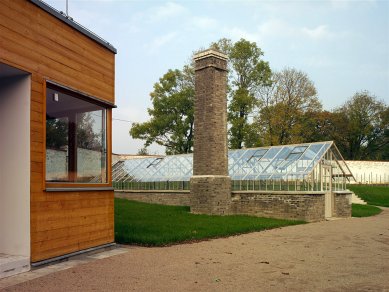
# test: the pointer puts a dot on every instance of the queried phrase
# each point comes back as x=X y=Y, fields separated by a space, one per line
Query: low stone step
x=357 y=200
x=13 y=264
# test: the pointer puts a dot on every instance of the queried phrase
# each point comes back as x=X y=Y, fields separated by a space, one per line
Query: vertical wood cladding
x=37 y=42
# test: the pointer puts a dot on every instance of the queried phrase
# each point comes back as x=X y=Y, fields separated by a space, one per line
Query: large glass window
x=75 y=138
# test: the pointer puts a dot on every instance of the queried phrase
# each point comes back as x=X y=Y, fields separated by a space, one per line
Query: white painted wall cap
x=210 y=53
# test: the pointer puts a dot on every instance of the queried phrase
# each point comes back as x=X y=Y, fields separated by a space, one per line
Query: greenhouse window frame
x=256 y=169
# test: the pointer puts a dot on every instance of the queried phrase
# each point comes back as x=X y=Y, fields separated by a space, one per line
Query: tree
x=364 y=127
x=321 y=126
x=143 y=151
x=87 y=138
x=56 y=133
x=248 y=72
x=171 y=123
x=285 y=106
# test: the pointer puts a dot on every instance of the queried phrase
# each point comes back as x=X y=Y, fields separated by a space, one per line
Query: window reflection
x=75 y=138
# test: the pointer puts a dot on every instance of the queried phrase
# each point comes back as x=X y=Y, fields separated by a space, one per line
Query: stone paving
x=339 y=255
x=60 y=266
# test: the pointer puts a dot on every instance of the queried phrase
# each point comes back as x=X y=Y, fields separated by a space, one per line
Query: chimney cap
x=210 y=53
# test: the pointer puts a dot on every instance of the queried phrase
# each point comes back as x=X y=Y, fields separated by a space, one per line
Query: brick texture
x=210 y=185
x=210 y=195
x=308 y=207
x=210 y=116
x=176 y=198
x=342 y=205
x=303 y=206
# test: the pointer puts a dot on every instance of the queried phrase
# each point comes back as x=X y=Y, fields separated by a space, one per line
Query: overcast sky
x=343 y=46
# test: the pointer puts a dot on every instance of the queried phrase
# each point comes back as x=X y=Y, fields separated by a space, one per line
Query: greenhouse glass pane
x=277 y=162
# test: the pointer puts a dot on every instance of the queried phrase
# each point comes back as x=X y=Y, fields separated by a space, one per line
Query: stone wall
x=342 y=204
x=210 y=185
x=293 y=205
x=211 y=194
x=174 y=198
x=369 y=172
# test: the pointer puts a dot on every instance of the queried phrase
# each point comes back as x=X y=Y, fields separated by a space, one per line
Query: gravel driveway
x=340 y=255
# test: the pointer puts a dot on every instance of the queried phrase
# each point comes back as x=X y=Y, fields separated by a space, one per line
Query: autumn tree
x=363 y=122
x=284 y=107
x=321 y=126
x=171 y=114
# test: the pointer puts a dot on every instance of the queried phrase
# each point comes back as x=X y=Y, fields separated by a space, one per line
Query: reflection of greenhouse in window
x=304 y=167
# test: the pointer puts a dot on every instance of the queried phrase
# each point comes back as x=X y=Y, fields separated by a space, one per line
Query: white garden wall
x=369 y=172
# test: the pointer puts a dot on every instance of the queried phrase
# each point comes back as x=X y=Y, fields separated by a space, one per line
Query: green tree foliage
x=286 y=107
x=143 y=151
x=321 y=126
x=248 y=73
x=171 y=123
x=265 y=108
x=56 y=133
x=363 y=122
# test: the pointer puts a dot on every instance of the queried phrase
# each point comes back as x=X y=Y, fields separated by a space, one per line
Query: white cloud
x=320 y=32
x=236 y=34
x=168 y=10
x=275 y=27
x=204 y=22
x=347 y=4
x=320 y=62
x=339 y=4
x=160 y=41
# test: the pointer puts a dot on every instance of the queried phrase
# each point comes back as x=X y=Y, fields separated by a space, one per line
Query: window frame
x=77 y=186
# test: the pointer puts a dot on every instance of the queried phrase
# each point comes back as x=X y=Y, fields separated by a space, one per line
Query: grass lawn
x=364 y=210
x=373 y=195
x=158 y=225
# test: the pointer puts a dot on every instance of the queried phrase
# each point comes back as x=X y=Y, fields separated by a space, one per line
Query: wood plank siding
x=35 y=41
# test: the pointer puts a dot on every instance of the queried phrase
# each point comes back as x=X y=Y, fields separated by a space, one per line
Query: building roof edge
x=69 y=21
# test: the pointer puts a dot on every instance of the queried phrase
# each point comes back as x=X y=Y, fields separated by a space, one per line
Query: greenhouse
x=300 y=167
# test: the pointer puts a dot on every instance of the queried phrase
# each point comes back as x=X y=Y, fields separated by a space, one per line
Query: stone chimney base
x=210 y=194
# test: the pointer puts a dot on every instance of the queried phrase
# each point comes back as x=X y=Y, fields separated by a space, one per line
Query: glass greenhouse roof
x=275 y=162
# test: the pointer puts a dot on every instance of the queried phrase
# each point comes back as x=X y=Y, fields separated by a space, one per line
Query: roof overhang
x=69 y=21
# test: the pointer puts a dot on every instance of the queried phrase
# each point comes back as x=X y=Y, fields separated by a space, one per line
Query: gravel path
x=340 y=255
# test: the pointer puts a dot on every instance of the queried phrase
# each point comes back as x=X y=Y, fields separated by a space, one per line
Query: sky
x=343 y=46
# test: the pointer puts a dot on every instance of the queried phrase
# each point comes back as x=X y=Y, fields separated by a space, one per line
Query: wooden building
x=56 y=97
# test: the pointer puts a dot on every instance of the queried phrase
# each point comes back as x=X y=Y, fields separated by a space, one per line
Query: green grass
x=373 y=195
x=364 y=210
x=158 y=225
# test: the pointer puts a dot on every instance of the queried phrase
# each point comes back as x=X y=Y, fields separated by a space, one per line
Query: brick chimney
x=210 y=185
